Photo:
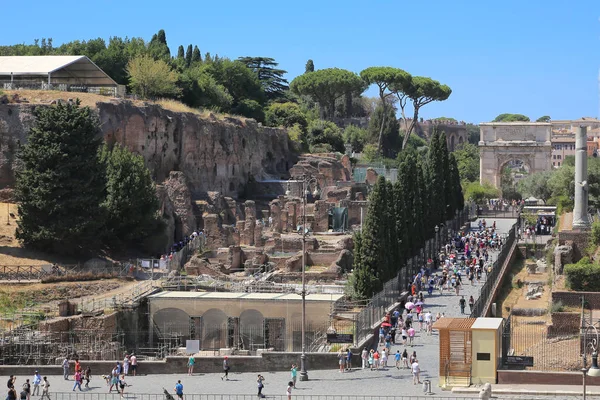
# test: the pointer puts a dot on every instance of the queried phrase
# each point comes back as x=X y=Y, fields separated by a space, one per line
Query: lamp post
x=593 y=346
x=306 y=182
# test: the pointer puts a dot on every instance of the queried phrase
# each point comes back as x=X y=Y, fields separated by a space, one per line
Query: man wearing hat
x=37 y=380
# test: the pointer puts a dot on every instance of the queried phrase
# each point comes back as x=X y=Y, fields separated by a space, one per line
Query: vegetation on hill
x=402 y=216
x=72 y=196
x=511 y=118
x=256 y=87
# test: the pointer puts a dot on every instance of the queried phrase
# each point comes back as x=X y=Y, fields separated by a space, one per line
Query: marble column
x=580 y=211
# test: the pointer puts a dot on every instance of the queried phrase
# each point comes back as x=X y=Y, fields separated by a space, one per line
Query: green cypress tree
x=444 y=154
x=61 y=184
x=436 y=180
x=373 y=231
x=131 y=204
x=390 y=240
x=309 y=67
x=180 y=53
x=196 y=57
x=458 y=197
x=188 y=56
x=401 y=231
x=405 y=187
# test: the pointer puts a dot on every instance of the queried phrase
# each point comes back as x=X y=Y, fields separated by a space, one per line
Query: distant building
x=66 y=73
x=456 y=131
x=563 y=145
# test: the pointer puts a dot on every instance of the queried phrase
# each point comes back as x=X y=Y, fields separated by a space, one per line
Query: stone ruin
x=258 y=236
x=563 y=254
x=534 y=290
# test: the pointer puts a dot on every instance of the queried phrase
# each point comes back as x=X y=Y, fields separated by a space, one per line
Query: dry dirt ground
x=11 y=252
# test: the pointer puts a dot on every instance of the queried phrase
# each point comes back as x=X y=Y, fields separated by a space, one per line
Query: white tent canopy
x=71 y=70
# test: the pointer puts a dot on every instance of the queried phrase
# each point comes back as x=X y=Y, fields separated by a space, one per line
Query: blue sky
x=536 y=57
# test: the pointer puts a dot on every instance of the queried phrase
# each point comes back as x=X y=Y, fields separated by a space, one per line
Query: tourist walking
x=288 y=392
x=122 y=384
x=384 y=358
x=126 y=364
x=190 y=364
x=416 y=370
x=45 y=388
x=88 y=376
x=226 y=368
x=294 y=372
x=37 y=380
x=462 y=302
x=364 y=356
x=78 y=379
x=397 y=357
x=411 y=335
x=133 y=363
x=349 y=359
x=12 y=394
x=65 y=366
x=376 y=356
x=261 y=385
x=371 y=359
x=179 y=390
x=27 y=389
x=405 y=359
x=11 y=382
x=114 y=380
x=471 y=303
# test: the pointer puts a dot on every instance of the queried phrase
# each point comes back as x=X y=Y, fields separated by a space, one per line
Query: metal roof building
x=48 y=72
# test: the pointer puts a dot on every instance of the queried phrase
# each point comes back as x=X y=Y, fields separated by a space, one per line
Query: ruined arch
x=171 y=321
x=501 y=143
x=214 y=329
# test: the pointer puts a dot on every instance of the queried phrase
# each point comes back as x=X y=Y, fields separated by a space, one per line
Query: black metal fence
x=493 y=276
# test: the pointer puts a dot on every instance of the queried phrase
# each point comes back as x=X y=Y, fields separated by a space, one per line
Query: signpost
x=520 y=361
x=340 y=338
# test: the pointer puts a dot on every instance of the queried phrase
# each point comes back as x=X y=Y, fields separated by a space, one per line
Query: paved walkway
x=388 y=381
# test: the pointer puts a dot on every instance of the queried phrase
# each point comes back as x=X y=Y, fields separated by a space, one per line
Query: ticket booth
x=470 y=350
x=486 y=338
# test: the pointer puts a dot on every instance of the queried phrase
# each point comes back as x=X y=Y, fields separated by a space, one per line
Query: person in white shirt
x=364 y=355
x=428 y=322
x=416 y=370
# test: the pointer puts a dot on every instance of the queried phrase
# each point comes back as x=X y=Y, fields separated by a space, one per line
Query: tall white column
x=580 y=211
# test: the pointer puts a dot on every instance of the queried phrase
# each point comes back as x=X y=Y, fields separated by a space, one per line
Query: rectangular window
x=483 y=357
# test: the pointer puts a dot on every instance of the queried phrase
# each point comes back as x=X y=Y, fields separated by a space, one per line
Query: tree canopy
x=545 y=118
x=325 y=86
x=151 y=78
x=422 y=91
x=511 y=118
x=271 y=78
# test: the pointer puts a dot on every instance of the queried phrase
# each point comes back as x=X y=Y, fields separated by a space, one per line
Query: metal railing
x=161 y=396
x=130 y=298
x=177 y=260
x=62 y=87
x=491 y=280
x=48 y=271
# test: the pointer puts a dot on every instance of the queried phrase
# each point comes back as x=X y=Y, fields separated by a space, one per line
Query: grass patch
x=177 y=106
x=556 y=306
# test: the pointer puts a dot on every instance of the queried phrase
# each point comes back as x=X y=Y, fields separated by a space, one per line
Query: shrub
x=595 y=236
x=583 y=276
x=556 y=306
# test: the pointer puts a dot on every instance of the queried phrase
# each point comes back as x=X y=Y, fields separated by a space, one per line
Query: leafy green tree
x=467 y=158
x=390 y=139
x=131 y=205
x=384 y=78
x=536 y=185
x=474 y=191
x=325 y=86
x=189 y=56
x=152 y=78
x=363 y=280
x=61 y=184
x=240 y=81
x=473 y=134
x=511 y=118
x=200 y=89
x=356 y=137
x=545 y=118
x=285 y=114
x=271 y=78
x=180 y=53
x=414 y=142
x=324 y=135
x=250 y=108
x=196 y=57
x=422 y=91
x=309 y=67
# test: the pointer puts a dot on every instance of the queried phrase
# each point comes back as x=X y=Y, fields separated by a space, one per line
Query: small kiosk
x=470 y=350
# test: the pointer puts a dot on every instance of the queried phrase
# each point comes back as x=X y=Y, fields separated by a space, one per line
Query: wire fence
x=492 y=279
x=176 y=260
x=121 y=300
x=55 y=272
x=62 y=87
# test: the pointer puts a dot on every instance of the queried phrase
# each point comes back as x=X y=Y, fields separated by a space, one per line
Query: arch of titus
x=502 y=142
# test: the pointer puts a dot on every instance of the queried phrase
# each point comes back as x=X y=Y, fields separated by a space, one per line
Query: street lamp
x=306 y=182
x=593 y=345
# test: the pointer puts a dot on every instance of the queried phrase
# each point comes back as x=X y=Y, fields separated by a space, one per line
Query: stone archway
x=252 y=329
x=172 y=322
x=501 y=143
x=214 y=329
